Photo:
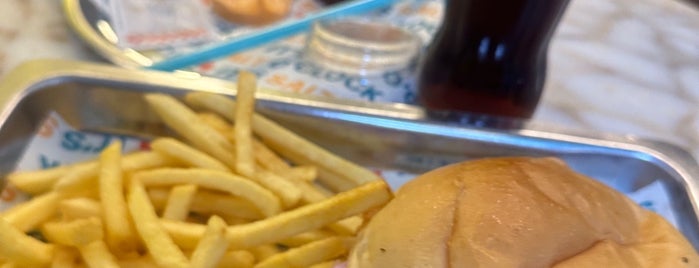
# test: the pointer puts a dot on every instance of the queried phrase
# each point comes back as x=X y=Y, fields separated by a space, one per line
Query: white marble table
x=616 y=66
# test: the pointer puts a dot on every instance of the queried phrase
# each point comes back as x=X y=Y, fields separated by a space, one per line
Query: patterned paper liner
x=282 y=65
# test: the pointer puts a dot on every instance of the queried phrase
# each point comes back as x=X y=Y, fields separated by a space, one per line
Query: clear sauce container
x=361 y=46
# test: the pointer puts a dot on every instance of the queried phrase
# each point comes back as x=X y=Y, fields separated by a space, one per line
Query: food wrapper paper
x=58 y=143
x=149 y=24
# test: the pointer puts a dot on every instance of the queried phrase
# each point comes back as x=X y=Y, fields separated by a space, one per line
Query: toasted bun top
x=516 y=212
x=252 y=12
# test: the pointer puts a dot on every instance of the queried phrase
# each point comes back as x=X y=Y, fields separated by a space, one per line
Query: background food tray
x=395 y=137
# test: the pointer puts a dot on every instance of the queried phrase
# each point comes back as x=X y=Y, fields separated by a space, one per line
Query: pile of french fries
x=233 y=190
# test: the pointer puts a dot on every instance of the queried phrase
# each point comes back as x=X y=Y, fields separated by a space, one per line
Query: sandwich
x=516 y=212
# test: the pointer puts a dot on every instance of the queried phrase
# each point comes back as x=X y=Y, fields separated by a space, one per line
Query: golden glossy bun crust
x=252 y=12
x=516 y=212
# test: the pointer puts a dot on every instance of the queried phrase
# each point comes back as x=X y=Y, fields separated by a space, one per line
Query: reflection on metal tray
x=103 y=98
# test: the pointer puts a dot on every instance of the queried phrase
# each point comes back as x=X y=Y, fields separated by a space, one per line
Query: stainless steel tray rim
x=37 y=77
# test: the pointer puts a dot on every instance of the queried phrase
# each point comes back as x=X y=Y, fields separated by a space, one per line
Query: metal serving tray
x=108 y=99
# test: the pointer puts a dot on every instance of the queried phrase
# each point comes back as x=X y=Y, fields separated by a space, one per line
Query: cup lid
x=361 y=45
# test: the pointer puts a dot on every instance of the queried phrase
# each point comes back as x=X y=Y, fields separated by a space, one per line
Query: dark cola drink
x=489 y=57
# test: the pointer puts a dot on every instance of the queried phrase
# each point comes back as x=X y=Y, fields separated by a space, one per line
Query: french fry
x=230 y=220
x=348 y=226
x=79 y=208
x=185 y=234
x=64 y=257
x=179 y=202
x=303 y=173
x=97 y=255
x=305 y=238
x=22 y=249
x=185 y=122
x=237 y=258
x=274 y=181
x=310 y=217
x=266 y=200
x=285 y=142
x=186 y=154
x=309 y=254
x=245 y=97
x=311 y=193
x=288 y=193
x=37 y=181
x=159 y=244
x=268 y=159
x=260 y=197
x=262 y=252
x=138 y=262
x=333 y=181
x=83 y=179
x=73 y=233
x=292 y=222
x=207 y=202
x=264 y=156
x=119 y=232
x=322 y=190
x=212 y=246
x=28 y=215
x=218 y=123
x=327 y=264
